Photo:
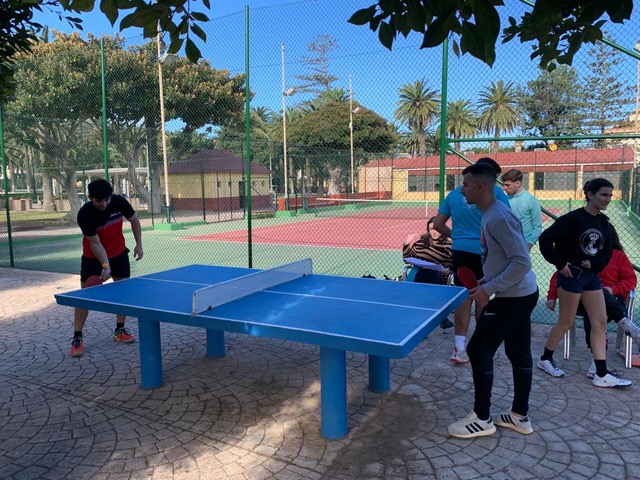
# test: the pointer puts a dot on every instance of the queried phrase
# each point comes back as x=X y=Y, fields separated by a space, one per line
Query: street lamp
x=351 y=112
x=162 y=58
x=285 y=93
x=636 y=47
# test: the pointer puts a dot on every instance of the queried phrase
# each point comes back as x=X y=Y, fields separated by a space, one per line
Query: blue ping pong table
x=384 y=319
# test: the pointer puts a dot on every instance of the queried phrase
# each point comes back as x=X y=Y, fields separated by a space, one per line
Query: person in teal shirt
x=525 y=206
x=464 y=232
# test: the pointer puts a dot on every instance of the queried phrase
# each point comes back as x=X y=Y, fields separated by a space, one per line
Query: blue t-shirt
x=466 y=219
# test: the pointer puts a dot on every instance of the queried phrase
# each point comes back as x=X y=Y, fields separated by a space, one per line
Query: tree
x=553 y=103
x=462 y=120
x=417 y=108
x=319 y=79
x=607 y=96
x=498 y=108
x=18 y=30
x=59 y=92
x=324 y=134
x=58 y=98
x=557 y=27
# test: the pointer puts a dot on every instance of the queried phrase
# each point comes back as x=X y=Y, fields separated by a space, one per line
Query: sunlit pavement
x=255 y=414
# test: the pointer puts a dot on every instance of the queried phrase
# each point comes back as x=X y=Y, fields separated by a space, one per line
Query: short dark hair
x=482 y=169
x=492 y=163
x=513 y=175
x=100 y=189
x=592 y=186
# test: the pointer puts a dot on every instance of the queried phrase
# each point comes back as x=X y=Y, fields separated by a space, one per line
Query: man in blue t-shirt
x=466 y=220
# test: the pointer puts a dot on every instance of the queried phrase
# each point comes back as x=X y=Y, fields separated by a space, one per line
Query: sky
x=376 y=73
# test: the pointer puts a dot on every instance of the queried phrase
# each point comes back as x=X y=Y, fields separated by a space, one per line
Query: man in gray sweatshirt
x=510 y=286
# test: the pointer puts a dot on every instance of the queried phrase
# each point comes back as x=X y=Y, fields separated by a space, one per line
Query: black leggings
x=508 y=320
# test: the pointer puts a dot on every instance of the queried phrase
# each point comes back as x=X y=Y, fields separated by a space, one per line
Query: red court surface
x=337 y=232
x=367 y=233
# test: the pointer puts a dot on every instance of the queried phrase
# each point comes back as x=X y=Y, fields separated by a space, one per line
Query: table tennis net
x=213 y=296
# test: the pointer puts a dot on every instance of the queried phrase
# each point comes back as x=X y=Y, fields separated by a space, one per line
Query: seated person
x=432 y=247
x=618 y=278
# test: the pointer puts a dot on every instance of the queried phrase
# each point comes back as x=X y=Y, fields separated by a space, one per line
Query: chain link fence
x=334 y=116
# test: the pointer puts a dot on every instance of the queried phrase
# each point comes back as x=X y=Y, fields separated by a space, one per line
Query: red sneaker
x=122 y=335
x=77 y=347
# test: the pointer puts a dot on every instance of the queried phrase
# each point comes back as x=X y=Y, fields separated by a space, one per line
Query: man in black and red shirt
x=104 y=253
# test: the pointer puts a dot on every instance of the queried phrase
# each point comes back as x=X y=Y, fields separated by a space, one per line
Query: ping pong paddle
x=92 y=281
x=467 y=278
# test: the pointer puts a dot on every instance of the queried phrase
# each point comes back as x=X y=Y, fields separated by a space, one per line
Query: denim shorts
x=583 y=280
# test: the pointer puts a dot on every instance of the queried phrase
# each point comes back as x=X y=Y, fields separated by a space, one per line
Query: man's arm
x=440 y=225
x=536 y=221
x=101 y=254
x=136 y=228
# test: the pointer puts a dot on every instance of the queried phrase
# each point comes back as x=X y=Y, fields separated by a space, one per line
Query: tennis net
x=365 y=208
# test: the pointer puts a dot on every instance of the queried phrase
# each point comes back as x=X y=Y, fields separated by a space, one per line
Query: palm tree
x=462 y=121
x=417 y=108
x=499 y=108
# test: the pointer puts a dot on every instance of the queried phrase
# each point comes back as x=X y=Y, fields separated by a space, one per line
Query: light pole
x=351 y=112
x=285 y=94
x=636 y=47
x=163 y=133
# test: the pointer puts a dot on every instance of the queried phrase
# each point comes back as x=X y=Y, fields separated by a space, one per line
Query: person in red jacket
x=618 y=279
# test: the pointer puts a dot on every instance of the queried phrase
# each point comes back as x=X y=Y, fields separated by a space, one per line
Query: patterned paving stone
x=254 y=414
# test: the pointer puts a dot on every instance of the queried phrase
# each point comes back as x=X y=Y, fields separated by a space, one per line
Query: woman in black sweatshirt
x=579 y=245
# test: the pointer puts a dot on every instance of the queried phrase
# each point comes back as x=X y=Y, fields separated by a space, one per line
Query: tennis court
x=340 y=223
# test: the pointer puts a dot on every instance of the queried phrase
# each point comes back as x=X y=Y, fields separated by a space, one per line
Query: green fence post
x=6 y=191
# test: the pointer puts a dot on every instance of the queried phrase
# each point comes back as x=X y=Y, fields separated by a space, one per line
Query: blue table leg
x=333 y=392
x=150 y=353
x=379 y=375
x=215 y=343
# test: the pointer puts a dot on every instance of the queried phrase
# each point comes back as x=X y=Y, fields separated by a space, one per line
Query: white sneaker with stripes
x=509 y=420
x=471 y=426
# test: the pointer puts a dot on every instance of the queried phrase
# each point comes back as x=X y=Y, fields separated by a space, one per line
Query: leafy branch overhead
x=557 y=28
x=179 y=18
x=173 y=16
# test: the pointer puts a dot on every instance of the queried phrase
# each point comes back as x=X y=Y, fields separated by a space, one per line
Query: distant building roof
x=208 y=161
x=590 y=159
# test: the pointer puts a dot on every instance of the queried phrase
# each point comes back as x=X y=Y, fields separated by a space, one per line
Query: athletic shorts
x=583 y=280
x=120 y=267
x=466 y=259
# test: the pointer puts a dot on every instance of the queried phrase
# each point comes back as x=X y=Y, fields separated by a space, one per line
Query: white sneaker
x=630 y=328
x=550 y=367
x=459 y=356
x=471 y=426
x=591 y=371
x=610 y=381
x=520 y=425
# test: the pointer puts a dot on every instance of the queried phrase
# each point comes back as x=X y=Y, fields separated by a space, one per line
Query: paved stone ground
x=255 y=413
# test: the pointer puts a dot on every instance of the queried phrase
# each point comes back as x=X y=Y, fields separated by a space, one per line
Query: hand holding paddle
x=92 y=281
x=467 y=278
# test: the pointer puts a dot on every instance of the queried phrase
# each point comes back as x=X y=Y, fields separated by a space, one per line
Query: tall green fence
x=334 y=115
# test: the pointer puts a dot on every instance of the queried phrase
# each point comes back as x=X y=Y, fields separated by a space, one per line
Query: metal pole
x=163 y=133
x=351 y=131
x=105 y=137
x=247 y=130
x=444 y=143
x=5 y=185
x=284 y=136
